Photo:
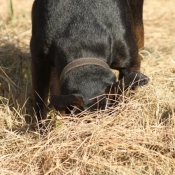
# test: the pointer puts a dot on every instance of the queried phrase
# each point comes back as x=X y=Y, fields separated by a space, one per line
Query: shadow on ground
x=15 y=78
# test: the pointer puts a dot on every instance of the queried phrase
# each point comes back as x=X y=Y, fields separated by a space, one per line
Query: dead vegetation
x=133 y=138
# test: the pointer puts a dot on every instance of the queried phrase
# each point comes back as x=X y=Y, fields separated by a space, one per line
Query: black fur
x=65 y=30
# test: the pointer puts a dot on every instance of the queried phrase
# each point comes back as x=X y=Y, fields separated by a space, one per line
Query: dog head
x=92 y=93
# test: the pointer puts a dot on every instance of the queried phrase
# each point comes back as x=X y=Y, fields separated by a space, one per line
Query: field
x=135 y=137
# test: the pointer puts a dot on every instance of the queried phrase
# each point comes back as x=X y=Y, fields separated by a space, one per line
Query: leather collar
x=82 y=62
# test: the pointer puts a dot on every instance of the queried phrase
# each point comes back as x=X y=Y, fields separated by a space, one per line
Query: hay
x=137 y=137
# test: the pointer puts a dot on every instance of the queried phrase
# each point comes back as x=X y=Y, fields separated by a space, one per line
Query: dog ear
x=132 y=80
x=61 y=101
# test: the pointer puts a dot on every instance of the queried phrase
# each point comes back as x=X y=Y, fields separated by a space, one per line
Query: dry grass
x=133 y=138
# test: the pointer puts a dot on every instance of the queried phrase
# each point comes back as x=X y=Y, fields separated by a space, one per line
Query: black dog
x=80 y=40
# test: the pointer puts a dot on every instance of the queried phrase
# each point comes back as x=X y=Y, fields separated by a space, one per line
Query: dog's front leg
x=41 y=71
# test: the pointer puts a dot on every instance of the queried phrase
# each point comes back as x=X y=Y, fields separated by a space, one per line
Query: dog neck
x=83 y=62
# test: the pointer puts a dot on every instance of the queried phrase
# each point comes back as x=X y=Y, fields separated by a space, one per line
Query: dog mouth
x=97 y=103
x=92 y=105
